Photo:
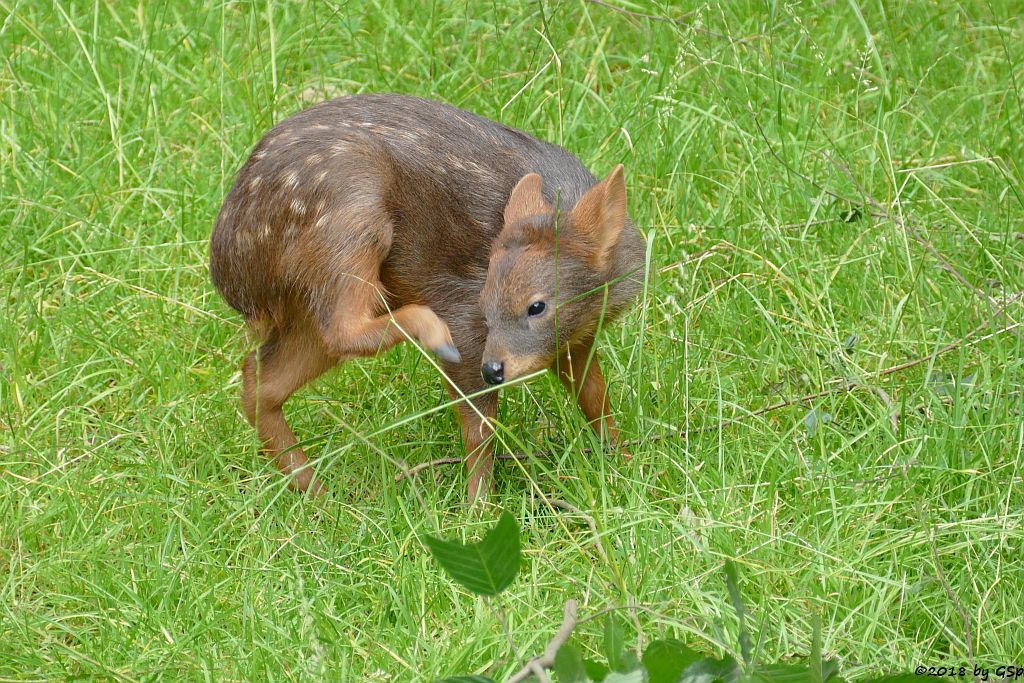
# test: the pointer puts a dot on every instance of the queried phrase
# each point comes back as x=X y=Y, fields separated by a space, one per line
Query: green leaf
x=596 y=671
x=613 y=643
x=783 y=673
x=798 y=673
x=732 y=582
x=465 y=679
x=830 y=672
x=711 y=670
x=634 y=676
x=665 y=660
x=906 y=678
x=569 y=665
x=487 y=567
x=817 y=675
x=629 y=661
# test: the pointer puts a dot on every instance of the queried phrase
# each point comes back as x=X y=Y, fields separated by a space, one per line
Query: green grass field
x=834 y=200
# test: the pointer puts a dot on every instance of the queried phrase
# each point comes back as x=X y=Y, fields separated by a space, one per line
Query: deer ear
x=600 y=215
x=527 y=200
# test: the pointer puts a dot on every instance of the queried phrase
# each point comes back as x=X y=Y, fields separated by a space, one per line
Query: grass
x=142 y=535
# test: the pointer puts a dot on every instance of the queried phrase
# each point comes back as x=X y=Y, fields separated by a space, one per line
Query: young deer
x=367 y=220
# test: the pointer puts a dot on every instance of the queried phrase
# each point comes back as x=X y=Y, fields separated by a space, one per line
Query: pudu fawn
x=371 y=219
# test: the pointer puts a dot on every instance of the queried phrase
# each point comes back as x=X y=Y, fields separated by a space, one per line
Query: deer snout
x=493 y=372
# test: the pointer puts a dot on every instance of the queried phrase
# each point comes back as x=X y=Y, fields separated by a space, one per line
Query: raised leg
x=358 y=328
x=375 y=335
x=269 y=376
x=581 y=375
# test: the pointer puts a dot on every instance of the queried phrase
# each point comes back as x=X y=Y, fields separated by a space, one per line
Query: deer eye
x=535 y=309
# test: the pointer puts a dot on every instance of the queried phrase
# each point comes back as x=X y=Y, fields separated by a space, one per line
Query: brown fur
x=372 y=219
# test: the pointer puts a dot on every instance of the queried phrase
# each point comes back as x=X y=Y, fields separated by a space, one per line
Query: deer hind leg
x=340 y=268
x=290 y=359
x=360 y=325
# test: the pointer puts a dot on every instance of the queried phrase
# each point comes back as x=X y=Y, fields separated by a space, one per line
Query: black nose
x=493 y=372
